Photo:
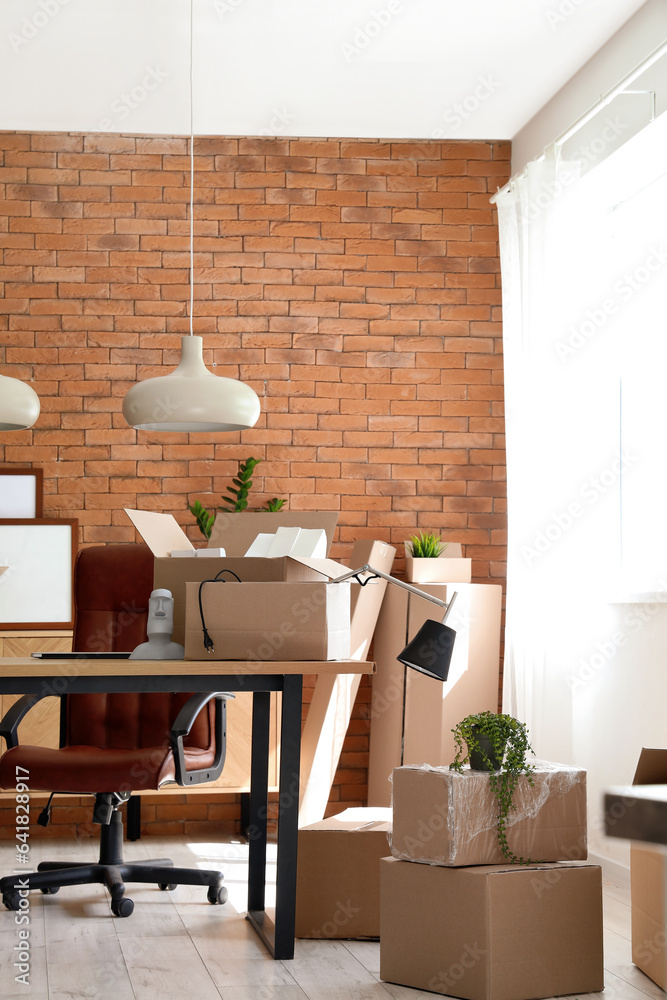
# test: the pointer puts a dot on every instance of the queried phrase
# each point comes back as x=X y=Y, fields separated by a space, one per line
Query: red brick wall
x=354 y=284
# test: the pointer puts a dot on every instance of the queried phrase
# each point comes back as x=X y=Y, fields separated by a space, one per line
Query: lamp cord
x=192 y=178
x=208 y=642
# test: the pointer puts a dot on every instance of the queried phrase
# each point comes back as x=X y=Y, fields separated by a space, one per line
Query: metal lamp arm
x=399 y=583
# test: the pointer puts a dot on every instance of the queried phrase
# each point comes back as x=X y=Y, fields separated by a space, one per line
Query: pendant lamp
x=191 y=398
x=19 y=404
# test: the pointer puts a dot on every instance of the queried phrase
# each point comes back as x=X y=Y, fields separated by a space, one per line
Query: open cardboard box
x=648 y=872
x=235 y=533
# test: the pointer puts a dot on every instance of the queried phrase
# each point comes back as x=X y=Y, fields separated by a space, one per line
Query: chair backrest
x=112 y=587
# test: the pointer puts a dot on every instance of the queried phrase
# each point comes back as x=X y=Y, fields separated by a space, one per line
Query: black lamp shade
x=430 y=652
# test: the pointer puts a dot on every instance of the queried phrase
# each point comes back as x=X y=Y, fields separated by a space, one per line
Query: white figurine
x=159 y=628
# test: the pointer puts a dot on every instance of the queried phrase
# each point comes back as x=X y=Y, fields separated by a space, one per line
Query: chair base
x=111 y=871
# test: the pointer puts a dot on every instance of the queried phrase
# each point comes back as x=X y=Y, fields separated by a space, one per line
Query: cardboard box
x=448 y=567
x=441 y=817
x=338 y=875
x=268 y=621
x=492 y=932
x=235 y=533
x=175 y=574
x=648 y=872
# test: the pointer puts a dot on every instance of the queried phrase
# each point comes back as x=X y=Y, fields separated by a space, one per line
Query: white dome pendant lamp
x=19 y=404
x=191 y=398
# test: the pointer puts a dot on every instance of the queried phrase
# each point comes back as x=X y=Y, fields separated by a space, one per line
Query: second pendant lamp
x=191 y=398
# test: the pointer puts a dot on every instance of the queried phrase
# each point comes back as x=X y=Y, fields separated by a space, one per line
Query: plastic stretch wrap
x=445 y=817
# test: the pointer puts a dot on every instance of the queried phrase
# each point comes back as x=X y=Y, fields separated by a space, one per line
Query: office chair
x=112 y=586
x=119 y=743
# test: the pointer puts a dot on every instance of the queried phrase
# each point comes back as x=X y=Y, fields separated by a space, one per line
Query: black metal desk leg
x=259 y=798
x=288 y=815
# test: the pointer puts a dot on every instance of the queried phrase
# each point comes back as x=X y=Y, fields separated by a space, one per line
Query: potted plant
x=497 y=744
x=238 y=500
x=429 y=559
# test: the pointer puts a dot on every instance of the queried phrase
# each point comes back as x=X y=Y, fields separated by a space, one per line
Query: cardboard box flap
x=327 y=567
x=355 y=820
x=236 y=532
x=651 y=767
x=161 y=532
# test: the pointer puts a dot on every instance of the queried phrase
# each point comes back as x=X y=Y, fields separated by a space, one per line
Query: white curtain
x=584 y=271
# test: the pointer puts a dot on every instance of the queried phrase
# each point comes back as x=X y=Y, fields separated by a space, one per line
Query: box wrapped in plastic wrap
x=443 y=817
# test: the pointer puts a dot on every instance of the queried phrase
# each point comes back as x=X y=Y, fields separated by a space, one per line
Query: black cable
x=208 y=642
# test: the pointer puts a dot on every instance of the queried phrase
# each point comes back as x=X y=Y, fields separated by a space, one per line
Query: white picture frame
x=37 y=562
x=21 y=492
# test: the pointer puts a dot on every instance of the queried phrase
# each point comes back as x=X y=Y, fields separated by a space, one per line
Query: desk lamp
x=430 y=652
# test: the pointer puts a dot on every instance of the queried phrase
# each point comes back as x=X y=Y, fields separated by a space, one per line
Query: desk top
x=637 y=812
x=28 y=666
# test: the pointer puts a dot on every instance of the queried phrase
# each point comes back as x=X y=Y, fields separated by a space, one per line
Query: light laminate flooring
x=176 y=945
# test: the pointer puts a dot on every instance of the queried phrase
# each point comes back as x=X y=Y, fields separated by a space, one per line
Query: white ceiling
x=367 y=68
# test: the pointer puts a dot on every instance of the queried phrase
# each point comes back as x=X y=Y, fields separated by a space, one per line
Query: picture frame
x=21 y=492
x=36 y=572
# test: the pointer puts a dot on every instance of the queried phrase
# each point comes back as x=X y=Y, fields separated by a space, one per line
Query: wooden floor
x=176 y=945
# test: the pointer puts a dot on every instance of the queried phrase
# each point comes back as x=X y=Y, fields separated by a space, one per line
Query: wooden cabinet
x=41 y=724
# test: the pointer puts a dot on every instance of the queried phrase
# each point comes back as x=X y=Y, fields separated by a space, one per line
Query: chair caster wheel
x=217 y=894
x=122 y=907
x=50 y=890
x=11 y=900
x=166 y=886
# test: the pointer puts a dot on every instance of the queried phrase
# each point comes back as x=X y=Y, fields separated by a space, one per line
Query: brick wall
x=354 y=284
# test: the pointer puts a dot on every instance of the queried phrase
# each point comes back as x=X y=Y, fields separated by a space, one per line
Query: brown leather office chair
x=118 y=742
x=112 y=587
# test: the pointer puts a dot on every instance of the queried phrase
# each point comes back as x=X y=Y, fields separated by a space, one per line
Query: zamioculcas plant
x=238 y=501
x=497 y=744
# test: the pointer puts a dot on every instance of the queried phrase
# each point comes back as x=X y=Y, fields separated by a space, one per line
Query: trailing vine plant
x=502 y=743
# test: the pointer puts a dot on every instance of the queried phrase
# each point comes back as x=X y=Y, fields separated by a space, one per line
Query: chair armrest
x=10 y=723
x=182 y=727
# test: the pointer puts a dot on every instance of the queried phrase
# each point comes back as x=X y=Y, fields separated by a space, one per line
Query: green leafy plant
x=238 y=501
x=498 y=744
x=426 y=545
x=274 y=504
x=205 y=519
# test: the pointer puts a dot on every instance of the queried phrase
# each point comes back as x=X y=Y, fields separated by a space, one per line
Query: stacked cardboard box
x=338 y=874
x=454 y=922
x=648 y=868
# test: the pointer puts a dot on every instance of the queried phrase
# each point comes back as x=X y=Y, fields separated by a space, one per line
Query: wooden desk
x=25 y=675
